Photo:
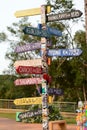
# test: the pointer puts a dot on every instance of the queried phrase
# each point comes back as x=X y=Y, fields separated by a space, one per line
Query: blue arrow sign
x=64 y=52
x=53 y=31
x=36 y=32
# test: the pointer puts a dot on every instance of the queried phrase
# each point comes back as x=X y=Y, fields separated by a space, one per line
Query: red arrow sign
x=29 y=70
x=28 y=81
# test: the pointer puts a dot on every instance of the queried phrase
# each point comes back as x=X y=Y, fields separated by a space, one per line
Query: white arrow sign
x=34 y=62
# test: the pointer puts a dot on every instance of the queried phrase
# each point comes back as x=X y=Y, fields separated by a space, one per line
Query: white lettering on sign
x=64 y=15
x=28 y=47
x=29 y=70
x=54 y=52
x=70 y=52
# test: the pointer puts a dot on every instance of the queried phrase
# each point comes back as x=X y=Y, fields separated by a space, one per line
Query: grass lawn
x=8 y=115
x=70 y=120
x=13 y=116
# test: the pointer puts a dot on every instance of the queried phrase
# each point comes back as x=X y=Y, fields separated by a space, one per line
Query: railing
x=66 y=106
x=62 y=106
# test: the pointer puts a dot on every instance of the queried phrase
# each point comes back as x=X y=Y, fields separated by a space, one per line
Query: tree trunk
x=84 y=93
x=85 y=7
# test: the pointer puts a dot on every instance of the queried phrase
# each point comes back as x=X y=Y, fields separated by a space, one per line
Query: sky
x=7 y=17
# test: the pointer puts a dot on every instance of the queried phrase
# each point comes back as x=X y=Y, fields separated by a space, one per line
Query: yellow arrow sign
x=30 y=12
x=30 y=101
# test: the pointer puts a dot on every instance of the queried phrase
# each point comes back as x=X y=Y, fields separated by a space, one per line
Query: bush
x=54 y=114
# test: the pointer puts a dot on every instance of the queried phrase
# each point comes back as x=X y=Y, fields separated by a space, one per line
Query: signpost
x=34 y=62
x=44 y=32
x=36 y=32
x=45 y=112
x=27 y=81
x=64 y=52
x=64 y=16
x=30 y=101
x=28 y=47
x=29 y=70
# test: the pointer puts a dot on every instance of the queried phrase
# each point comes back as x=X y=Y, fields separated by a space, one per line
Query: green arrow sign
x=35 y=32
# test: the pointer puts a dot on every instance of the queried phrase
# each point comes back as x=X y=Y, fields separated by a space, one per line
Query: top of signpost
x=31 y=12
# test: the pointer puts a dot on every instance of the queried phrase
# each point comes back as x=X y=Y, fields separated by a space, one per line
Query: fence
x=62 y=106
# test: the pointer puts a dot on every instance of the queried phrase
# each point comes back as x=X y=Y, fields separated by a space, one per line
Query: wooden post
x=45 y=122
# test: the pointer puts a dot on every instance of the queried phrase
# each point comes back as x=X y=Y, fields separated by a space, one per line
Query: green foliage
x=54 y=114
x=3 y=36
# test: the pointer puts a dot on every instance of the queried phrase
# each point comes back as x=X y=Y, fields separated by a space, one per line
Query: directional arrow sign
x=64 y=15
x=55 y=91
x=29 y=70
x=30 y=101
x=34 y=62
x=31 y=12
x=51 y=91
x=28 y=47
x=53 y=31
x=35 y=32
x=28 y=81
x=64 y=52
x=29 y=114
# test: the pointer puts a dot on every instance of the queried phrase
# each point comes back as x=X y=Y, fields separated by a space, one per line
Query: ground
x=9 y=124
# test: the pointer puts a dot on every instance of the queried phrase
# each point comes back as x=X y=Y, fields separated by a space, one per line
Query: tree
x=80 y=39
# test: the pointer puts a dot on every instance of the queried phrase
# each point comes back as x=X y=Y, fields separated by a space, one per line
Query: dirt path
x=8 y=124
